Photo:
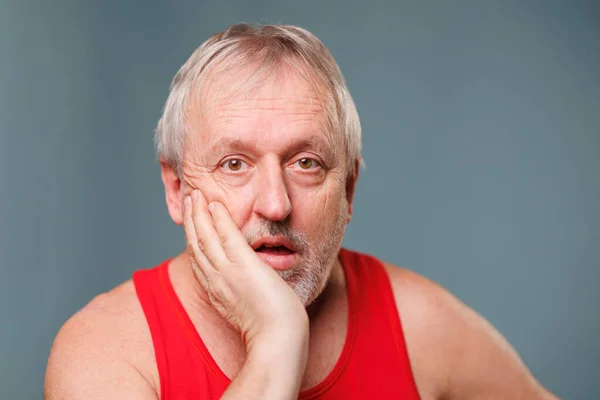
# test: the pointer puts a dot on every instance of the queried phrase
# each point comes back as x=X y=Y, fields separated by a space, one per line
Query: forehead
x=248 y=101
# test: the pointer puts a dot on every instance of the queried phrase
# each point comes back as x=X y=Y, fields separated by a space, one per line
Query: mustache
x=278 y=228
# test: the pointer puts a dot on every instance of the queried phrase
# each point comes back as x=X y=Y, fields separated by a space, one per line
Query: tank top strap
x=183 y=368
x=146 y=283
x=380 y=340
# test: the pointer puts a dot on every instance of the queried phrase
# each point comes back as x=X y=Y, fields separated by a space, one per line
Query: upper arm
x=89 y=360
x=455 y=353
x=485 y=365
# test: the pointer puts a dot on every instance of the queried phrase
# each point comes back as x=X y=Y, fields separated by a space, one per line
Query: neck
x=327 y=314
x=199 y=307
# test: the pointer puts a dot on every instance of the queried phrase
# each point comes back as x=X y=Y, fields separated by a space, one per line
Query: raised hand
x=245 y=291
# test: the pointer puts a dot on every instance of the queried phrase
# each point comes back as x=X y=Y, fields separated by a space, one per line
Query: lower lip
x=279 y=262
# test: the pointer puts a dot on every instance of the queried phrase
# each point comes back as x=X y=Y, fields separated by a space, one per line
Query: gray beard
x=308 y=280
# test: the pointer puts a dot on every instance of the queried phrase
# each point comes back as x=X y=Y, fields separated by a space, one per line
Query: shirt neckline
x=306 y=394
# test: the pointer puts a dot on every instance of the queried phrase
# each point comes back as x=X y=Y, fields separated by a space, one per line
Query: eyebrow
x=233 y=143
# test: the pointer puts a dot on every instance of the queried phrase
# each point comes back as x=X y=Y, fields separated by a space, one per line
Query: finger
x=207 y=238
x=199 y=274
x=200 y=264
x=232 y=240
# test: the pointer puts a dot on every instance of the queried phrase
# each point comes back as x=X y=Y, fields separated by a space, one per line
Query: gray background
x=481 y=134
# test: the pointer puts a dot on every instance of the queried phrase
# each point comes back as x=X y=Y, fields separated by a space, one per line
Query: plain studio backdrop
x=481 y=127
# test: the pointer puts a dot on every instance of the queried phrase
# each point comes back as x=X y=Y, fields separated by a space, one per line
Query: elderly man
x=260 y=148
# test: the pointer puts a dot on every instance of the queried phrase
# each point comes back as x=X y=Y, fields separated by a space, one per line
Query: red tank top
x=373 y=364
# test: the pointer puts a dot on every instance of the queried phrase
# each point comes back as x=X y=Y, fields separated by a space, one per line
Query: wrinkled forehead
x=231 y=89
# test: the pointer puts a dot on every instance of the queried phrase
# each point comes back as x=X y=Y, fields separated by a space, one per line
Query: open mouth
x=274 y=250
x=279 y=253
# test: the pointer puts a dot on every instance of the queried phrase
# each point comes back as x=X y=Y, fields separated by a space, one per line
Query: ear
x=350 y=186
x=173 y=191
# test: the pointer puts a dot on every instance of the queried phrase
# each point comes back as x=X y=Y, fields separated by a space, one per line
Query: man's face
x=268 y=157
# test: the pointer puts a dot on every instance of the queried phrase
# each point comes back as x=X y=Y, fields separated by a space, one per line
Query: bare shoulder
x=454 y=352
x=104 y=351
x=426 y=325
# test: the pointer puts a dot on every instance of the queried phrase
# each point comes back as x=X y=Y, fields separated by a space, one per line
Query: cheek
x=236 y=199
x=315 y=209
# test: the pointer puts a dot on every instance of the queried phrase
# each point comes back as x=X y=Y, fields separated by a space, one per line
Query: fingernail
x=187 y=202
x=211 y=207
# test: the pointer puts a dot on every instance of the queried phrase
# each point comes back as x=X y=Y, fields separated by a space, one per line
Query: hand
x=245 y=291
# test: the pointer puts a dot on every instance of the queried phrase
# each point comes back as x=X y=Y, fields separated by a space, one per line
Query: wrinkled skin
x=267 y=156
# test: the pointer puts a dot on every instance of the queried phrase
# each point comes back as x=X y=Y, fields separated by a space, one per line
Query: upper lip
x=273 y=241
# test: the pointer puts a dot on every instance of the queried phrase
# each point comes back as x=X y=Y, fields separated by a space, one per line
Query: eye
x=307 y=163
x=234 y=164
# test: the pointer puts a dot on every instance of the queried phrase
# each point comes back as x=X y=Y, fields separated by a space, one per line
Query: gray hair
x=268 y=47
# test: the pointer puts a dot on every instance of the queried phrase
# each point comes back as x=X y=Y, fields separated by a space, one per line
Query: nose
x=272 y=201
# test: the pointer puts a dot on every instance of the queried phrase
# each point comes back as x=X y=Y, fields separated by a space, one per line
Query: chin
x=308 y=281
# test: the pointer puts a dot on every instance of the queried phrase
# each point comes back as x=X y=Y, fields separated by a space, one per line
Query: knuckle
x=199 y=274
x=202 y=243
x=225 y=241
x=218 y=288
